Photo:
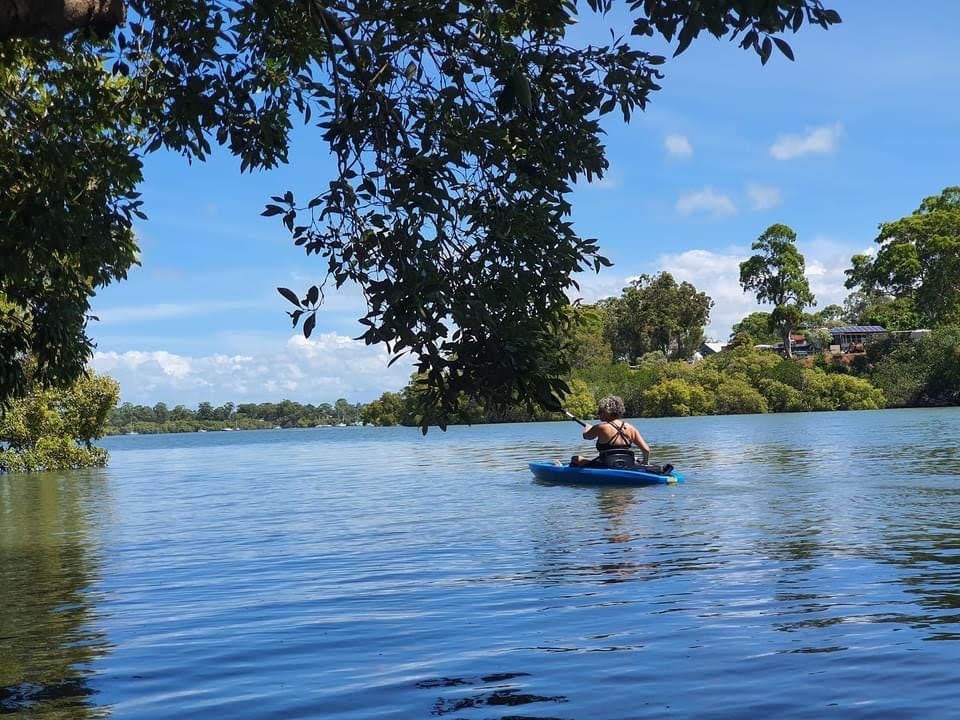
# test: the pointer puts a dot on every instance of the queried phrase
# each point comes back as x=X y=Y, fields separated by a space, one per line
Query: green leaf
x=765 y=49
x=521 y=90
x=784 y=47
x=290 y=295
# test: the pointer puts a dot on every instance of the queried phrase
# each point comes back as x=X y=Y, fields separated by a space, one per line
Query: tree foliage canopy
x=776 y=275
x=655 y=313
x=68 y=170
x=457 y=131
x=923 y=371
x=758 y=326
x=917 y=264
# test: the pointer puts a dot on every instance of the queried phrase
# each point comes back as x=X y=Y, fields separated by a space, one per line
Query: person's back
x=612 y=433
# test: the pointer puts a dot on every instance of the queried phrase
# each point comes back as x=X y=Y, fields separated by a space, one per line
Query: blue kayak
x=552 y=472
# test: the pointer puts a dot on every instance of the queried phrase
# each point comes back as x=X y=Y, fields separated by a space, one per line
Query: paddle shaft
x=574 y=418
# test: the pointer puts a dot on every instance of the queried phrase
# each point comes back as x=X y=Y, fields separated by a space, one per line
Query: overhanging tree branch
x=56 y=18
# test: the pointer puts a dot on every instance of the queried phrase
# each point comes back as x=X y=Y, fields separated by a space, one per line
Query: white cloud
x=161 y=362
x=595 y=287
x=678 y=146
x=763 y=197
x=821 y=140
x=322 y=369
x=718 y=275
x=707 y=201
x=826 y=261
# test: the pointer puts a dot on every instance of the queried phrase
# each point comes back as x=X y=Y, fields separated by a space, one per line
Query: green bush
x=746 y=361
x=853 y=393
x=925 y=371
x=736 y=397
x=675 y=397
x=780 y=397
x=822 y=391
x=52 y=429
x=788 y=372
x=580 y=401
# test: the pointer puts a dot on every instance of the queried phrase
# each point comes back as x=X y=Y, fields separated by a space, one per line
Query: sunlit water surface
x=809 y=567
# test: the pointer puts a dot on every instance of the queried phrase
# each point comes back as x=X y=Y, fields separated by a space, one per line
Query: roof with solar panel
x=856 y=329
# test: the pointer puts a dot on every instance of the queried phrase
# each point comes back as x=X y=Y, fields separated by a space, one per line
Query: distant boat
x=201 y=430
x=226 y=429
x=341 y=424
x=277 y=427
x=133 y=433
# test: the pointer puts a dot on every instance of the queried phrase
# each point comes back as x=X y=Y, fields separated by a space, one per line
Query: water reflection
x=48 y=562
x=607 y=556
x=614 y=504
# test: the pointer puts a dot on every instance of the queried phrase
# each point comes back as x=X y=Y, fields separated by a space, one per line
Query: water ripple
x=373 y=573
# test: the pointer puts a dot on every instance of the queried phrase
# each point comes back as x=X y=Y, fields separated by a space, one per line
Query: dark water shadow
x=488 y=691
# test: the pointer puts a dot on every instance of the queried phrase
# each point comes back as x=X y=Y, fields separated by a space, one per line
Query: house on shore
x=855 y=336
x=798 y=346
x=706 y=349
x=710 y=347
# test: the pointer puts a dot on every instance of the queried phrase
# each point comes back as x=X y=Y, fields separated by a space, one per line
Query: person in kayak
x=611 y=433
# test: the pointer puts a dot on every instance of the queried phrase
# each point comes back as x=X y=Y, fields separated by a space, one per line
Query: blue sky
x=857 y=131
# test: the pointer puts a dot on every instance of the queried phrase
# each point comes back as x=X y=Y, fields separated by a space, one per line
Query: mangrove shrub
x=53 y=429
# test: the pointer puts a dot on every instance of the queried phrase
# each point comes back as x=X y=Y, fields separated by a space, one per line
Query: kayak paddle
x=574 y=418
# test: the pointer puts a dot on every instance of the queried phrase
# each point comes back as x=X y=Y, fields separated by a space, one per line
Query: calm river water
x=809 y=567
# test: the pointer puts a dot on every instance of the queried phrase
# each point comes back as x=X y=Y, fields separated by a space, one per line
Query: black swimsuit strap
x=620 y=434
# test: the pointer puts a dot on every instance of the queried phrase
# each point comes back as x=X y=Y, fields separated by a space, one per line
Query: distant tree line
x=897 y=372
x=740 y=380
x=130 y=418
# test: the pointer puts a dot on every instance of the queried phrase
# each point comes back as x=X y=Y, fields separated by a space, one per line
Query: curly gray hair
x=611 y=405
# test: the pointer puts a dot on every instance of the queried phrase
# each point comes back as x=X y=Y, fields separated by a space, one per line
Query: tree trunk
x=54 y=19
x=787 y=347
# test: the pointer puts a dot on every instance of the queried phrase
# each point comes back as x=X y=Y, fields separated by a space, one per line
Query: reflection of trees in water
x=896 y=561
x=928 y=556
x=47 y=564
x=501 y=689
